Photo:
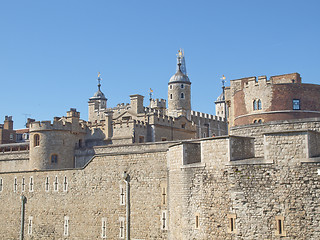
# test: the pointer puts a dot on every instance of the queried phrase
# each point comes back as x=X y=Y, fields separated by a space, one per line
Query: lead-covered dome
x=179 y=77
x=98 y=95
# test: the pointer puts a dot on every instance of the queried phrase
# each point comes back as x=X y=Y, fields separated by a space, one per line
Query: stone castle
x=157 y=172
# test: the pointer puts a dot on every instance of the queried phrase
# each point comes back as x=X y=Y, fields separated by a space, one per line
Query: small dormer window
x=182 y=95
x=182 y=85
x=296 y=104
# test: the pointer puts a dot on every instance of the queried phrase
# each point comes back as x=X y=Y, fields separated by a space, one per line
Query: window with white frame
x=121 y=228
x=66 y=226
x=46 y=184
x=55 y=184
x=15 y=185
x=30 y=221
x=23 y=185
x=31 y=184
x=163 y=193
x=65 y=184
x=104 y=228
x=122 y=194
x=1 y=184
x=163 y=220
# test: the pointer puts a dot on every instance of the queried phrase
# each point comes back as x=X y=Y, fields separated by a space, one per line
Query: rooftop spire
x=99 y=80
x=181 y=60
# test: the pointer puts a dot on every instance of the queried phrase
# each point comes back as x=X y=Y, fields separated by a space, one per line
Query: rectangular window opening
x=121 y=228
x=280 y=226
x=31 y=185
x=232 y=223
x=1 y=184
x=296 y=104
x=15 y=185
x=23 y=184
x=47 y=184
x=66 y=226
x=164 y=220
x=30 y=220
x=55 y=184
x=122 y=195
x=104 y=228
x=65 y=184
x=197 y=221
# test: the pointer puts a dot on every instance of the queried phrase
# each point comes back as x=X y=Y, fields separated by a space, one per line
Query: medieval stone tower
x=179 y=91
x=97 y=104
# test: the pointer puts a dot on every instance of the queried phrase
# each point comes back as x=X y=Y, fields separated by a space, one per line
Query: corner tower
x=97 y=104
x=179 y=90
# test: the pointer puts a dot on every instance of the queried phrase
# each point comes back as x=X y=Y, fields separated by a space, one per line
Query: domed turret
x=97 y=104
x=179 y=91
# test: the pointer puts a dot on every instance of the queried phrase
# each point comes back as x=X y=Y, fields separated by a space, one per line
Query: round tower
x=179 y=91
x=97 y=104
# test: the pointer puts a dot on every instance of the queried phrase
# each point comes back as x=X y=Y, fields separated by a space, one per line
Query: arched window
x=259 y=105
x=54 y=158
x=255 y=121
x=260 y=121
x=36 y=140
x=182 y=95
x=182 y=86
x=254 y=105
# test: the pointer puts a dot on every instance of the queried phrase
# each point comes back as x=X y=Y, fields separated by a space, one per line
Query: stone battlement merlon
x=47 y=125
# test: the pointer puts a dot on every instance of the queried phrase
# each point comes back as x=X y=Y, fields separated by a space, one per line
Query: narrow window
x=255 y=105
x=54 y=158
x=121 y=228
x=1 y=184
x=280 y=226
x=23 y=185
x=11 y=136
x=30 y=220
x=55 y=184
x=66 y=226
x=65 y=184
x=183 y=125
x=296 y=104
x=170 y=96
x=182 y=95
x=170 y=86
x=232 y=223
x=164 y=220
x=259 y=105
x=122 y=195
x=182 y=86
x=15 y=185
x=31 y=184
x=47 y=184
x=197 y=221
x=36 y=140
x=204 y=135
x=104 y=228
x=164 y=194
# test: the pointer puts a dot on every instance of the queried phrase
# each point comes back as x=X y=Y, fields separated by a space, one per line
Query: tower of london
x=165 y=171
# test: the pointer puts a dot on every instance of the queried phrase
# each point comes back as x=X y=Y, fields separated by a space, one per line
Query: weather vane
x=223 y=80
x=99 y=79
x=150 y=94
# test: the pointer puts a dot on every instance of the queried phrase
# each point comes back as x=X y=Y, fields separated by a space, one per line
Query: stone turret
x=97 y=104
x=52 y=145
x=179 y=93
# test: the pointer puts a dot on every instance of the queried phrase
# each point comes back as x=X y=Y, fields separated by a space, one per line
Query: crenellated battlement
x=238 y=84
x=47 y=125
x=199 y=115
x=156 y=103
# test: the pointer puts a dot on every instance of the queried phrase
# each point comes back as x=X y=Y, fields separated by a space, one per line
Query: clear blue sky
x=51 y=51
